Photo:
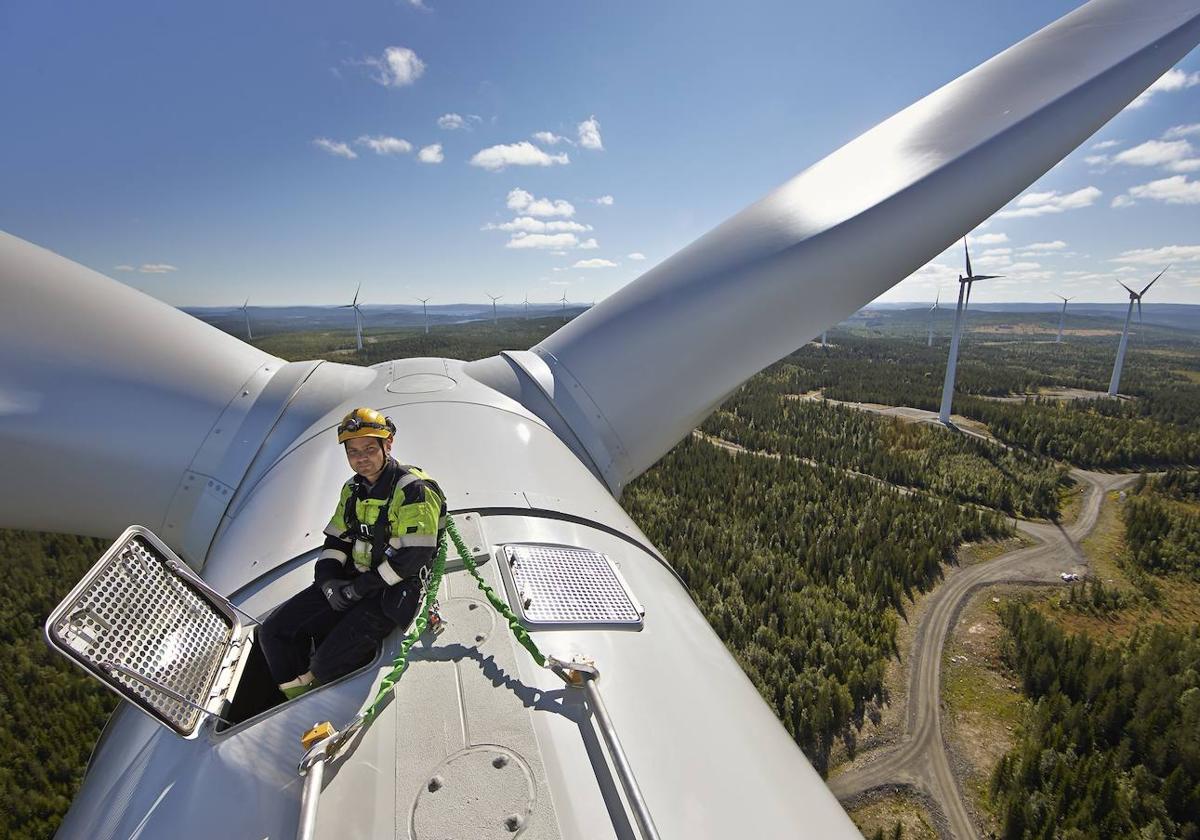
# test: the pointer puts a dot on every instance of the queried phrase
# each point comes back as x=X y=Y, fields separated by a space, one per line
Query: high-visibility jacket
x=392 y=546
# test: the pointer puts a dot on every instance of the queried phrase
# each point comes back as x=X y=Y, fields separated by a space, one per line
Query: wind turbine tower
x=494 y=299
x=357 y=315
x=245 y=307
x=1115 y=382
x=527 y=306
x=564 y=307
x=964 y=284
x=932 y=312
x=425 y=310
x=1062 y=319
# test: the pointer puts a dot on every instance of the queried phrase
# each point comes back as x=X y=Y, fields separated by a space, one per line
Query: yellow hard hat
x=365 y=422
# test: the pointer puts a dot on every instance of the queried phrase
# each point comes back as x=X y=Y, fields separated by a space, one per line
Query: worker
x=379 y=550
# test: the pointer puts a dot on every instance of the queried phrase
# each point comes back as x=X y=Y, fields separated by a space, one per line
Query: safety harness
x=379 y=532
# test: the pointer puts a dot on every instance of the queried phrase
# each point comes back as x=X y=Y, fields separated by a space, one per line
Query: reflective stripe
x=388 y=573
x=362 y=555
x=334 y=554
x=408 y=479
x=331 y=531
x=415 y=541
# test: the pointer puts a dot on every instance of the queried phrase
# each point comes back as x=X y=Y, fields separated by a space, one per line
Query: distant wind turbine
x=1062 y=319
x=527 y=306
x=357 y=315
x=1115 y=382
x=245 y=307
x=963 y=283
x=494 y=299
x=932 y=313
x=425 y=309
x=564 y=307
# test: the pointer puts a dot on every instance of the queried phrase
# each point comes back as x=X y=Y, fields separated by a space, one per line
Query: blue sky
x=286 y=152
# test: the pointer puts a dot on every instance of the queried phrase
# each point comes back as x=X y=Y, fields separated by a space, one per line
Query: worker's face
x=368 y=456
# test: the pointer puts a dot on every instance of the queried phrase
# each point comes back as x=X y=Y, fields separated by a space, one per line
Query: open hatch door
x=145 y=625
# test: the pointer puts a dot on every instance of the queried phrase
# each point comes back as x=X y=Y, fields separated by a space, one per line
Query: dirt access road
x=920 y=761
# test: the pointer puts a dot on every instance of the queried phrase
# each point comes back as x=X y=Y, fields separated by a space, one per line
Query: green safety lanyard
x=400 y=663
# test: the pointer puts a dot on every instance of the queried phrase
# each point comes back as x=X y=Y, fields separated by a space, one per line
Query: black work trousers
x=343 y=640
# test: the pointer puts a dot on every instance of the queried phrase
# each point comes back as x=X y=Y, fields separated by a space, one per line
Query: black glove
x=341 y=595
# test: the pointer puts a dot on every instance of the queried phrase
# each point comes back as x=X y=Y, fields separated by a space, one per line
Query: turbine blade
x=114 y=400
x=1152 y=282
x=1132 y=293
x=911 y=186
x=967 y=253
x=356 y=291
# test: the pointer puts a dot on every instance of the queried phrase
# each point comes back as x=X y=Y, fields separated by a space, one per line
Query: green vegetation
x=761 y=416
x=801 y=570
x=50 y=713
x=1162 y=535
x=1159 y=427
x=1111 y=747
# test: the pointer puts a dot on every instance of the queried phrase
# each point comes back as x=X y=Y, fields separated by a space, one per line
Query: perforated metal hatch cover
x=557 y=585
x=140 y=611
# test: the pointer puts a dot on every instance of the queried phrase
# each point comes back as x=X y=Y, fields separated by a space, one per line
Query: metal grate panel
x=558 y=585
x=134 y=614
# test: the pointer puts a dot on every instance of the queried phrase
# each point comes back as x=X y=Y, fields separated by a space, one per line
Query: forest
x=802 y=571
x=1111 y=747
x=1162 y=535
x=763 y=415
x=50 y=713
x=1158 y=426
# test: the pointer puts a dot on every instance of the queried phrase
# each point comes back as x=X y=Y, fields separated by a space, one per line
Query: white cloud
x=1173 y=79
x=398 y=67
x=637 y=256
x=1125 y=269
x=156 y=268
x=381 y=145
x=995 y=252
x=596 y=262
x=1023 y=267
x=1155 y=153
x=526 y=224
x=589 y=134
x=1056 y=245
x=1177 y=131
x=1174 y=190
x=451 y=122
x=549 y=138
x=605 y=200
x=1105 y=144
x=555 y=241
x=431 y=154
x=990 y=238
x=1160 y=256
x=524 y=153
x=589 y=245
x=1032 y=205
x=335 y=148
x=123 y=267
x=1187 y=165
x=1097 y=160
x=524 y=202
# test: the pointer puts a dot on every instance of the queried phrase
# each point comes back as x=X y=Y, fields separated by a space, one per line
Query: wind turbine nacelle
x=668 y=681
